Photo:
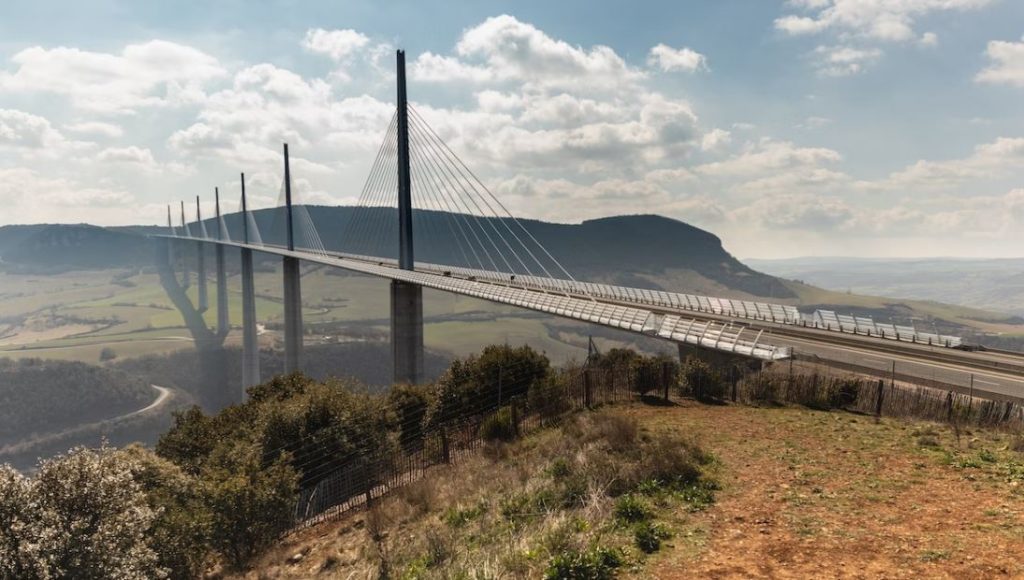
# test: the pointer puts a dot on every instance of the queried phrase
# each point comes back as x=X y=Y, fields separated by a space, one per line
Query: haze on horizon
x=788 y=128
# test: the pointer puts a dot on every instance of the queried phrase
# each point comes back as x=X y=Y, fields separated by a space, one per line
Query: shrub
x=22 y=552
x=180 y=534
x=595 y=564
x=499 y=426
x=251 y=503
x=631 y=509
x=409 y=403
x=548 y=397
x=701 y=381
x=648 y=536
x=471 y=386
x=107 y=354
x=82 y=513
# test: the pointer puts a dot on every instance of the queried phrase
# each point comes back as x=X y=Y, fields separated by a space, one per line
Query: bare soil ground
x=805 y=494
x=827 y=495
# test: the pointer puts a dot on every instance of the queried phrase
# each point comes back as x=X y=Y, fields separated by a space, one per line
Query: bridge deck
x=996 y=373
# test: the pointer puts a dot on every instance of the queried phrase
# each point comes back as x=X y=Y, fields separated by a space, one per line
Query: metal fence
x=331 y=485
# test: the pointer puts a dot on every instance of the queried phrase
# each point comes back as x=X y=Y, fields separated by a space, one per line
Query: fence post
x=445 y=451
x=878 y=400
x=666 y=373
x=734 y=375
x=949 y=407
x=586 y=388
x=515 y=417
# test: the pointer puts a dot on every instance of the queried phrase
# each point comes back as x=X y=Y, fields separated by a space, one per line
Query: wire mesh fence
x=334 y=482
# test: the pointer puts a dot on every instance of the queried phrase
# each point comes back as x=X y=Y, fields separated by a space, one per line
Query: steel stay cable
x=500 y=204
x=455 y=214
x=482 y=214
x=466 y=209
x=353 y=233
x=449 y=217
x=370 y=189
x=492 y=213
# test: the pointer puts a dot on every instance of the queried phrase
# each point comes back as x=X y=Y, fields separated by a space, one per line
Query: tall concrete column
x=204 y=299
x=406 y=298
x=186 y=279
x=292 y=285
x=223 y=325
x=292 y=316
x=407 y=331
x=250 y=344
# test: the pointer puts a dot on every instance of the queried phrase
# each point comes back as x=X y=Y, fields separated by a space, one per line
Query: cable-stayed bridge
x=425 y=220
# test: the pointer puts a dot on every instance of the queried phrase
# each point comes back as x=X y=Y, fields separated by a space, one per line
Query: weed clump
x=597 y=563
x=630 y=509
x=648 y=536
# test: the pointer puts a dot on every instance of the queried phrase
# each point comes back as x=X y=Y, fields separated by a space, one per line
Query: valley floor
x=804 y=494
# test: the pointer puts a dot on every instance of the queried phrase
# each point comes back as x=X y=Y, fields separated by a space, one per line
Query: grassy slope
x=805 y=494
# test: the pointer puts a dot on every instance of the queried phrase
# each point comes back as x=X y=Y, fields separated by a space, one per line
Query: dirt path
x=811 y=494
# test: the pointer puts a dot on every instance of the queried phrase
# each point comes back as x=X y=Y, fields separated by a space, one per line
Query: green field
x=132 y=315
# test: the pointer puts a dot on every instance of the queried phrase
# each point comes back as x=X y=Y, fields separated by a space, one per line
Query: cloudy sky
x=788 y=128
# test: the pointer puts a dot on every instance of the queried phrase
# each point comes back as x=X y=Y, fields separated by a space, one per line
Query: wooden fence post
x=445 y=451
x=666 y=373
x=878 y=400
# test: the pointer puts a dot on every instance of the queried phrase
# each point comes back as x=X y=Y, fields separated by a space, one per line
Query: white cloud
x=1007 y=63
x=132 y=154
x=861 y=25
x=885 y=20
x=838 y=61
x=430 y=67
x=33 y=198
x=97 y=128
x=768 y=156
x=676 y=59
x=21 y=130
x=797 y=211
x=336 y=44
x=505 y=49
x=715 y=139
x=988 y=160
x=154 y=73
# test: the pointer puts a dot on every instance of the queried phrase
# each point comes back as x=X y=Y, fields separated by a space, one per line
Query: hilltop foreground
x=801 y=493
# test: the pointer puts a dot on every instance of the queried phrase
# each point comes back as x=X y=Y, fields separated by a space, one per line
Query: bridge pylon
x=406 y=298
x=250 y=342
x=204 y=299
x=223 y=325
x=292 y=285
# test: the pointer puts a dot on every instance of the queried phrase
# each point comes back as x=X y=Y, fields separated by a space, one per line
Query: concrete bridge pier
x=292 y=315
x=204 y=299
x=407 y=331
x=223 y=324
x=250 y=344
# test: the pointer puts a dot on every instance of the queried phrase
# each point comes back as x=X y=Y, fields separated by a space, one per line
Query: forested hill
x=49 y=247
x=614 y=249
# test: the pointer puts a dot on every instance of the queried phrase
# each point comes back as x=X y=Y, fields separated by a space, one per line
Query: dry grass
x=804 y=494
x=510 y=511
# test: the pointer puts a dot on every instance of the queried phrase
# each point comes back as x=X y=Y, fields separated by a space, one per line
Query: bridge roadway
x=993 y=373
